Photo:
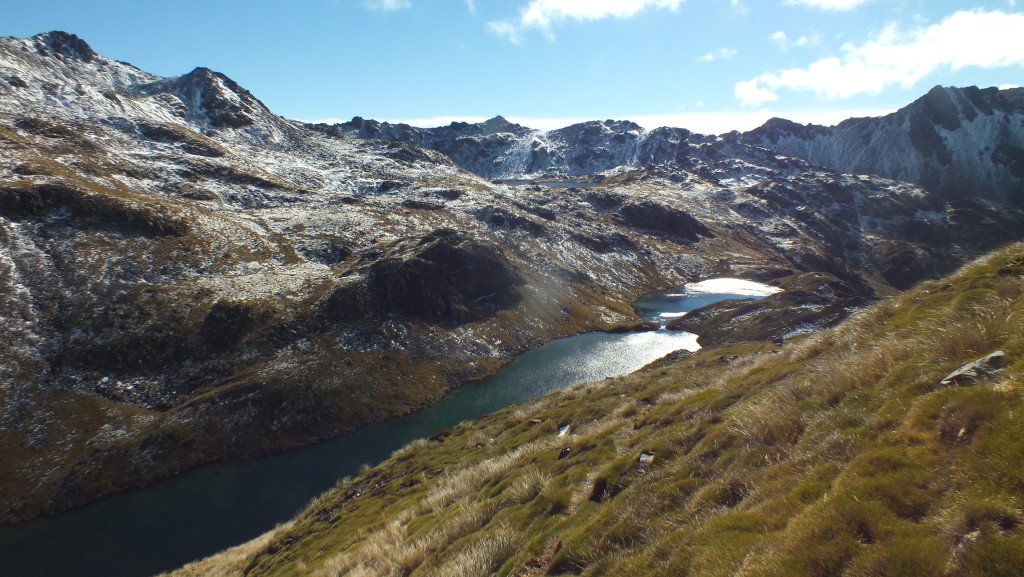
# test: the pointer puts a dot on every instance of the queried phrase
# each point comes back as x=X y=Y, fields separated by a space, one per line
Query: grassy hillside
x=838 y=453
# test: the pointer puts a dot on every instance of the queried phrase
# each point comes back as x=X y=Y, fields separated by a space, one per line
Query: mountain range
x=954 y=142
x=188 y=277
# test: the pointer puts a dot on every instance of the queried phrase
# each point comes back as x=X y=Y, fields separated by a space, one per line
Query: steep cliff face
x=955 y=142
x=186 y=277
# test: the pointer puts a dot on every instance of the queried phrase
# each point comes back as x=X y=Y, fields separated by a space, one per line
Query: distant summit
x=213 y=95
x=64 y=44
x=957 y=142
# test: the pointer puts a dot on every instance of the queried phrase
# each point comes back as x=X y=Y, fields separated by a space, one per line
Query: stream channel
x=193 y=515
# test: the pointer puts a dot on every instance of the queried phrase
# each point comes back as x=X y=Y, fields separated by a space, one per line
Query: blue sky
x=707 y=65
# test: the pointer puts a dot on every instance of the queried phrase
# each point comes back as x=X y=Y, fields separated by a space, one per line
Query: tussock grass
x=482 y=556
x=459 y=486
x=527 y=485
x=772 y=420
x=839 y=454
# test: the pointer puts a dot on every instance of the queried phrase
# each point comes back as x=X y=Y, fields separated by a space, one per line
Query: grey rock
x=644 y=461
x=975 y=371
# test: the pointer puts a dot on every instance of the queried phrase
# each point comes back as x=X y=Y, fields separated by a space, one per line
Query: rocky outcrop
x=975 y=371
x=446 y=278
x=190 y=142
x=662 y=220
x=212 y=96
x=499 y=218
x=64 y=45
x=87 y=209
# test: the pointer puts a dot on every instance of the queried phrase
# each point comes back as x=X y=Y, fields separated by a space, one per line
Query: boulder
x=975 y=371
x=644 y=461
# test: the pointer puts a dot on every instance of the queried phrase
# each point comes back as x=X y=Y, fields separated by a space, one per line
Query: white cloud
x=543 y=15
x=471 y=5
x=720 y=54
x=387 y=5
x=505 y=29
x=829 y=4
x=782 y=39
x=805 y=41
x=750 y=92
x=973 y=38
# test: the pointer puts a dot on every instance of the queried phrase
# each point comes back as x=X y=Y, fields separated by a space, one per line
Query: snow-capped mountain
x=60 y=72
x=185 y=276
x=956 y=142
x=500 y=149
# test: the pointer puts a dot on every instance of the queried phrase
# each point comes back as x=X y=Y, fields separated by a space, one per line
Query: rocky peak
x=59 y=65
x=500 y=124
x=948 y=105
x=595 y=128
x=956 y=142
x=211 y=95
x=65 y=45
x=941 y=110
x=775 y=128
x=622 y=125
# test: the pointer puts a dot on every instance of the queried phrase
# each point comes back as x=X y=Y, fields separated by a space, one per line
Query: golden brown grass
x=838 y=455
